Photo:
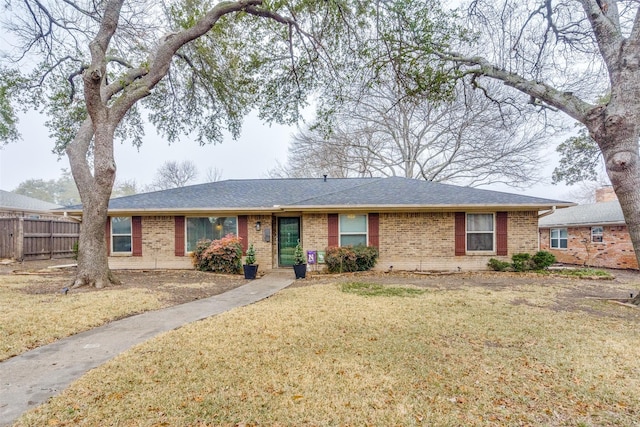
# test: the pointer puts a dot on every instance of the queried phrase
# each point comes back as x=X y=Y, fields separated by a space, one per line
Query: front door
x=288 y=239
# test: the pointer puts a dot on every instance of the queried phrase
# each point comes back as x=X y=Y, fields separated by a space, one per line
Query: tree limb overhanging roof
x=316 y=194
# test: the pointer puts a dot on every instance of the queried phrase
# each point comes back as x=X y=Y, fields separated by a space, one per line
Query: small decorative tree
x=300 y=267
x=251 y=256
x=298 y=255
x=250 y=267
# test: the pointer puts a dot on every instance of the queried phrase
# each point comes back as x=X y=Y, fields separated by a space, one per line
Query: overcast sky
x=252 y=156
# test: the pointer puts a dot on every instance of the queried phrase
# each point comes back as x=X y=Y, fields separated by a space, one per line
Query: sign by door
x=311 y=257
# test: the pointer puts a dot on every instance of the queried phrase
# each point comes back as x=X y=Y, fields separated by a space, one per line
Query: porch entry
x=288 y=238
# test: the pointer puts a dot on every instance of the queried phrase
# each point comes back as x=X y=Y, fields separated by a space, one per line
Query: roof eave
x=331 y=208
x=427 y=208
x=183 y=211
x=582 y=224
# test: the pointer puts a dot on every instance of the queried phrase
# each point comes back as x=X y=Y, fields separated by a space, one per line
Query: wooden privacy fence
x=29 y=239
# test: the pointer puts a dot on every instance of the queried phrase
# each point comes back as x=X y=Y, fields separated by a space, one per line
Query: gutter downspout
x=549 y=212
x=543 y=214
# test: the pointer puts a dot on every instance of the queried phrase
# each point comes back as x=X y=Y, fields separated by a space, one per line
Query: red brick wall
x=616 y=250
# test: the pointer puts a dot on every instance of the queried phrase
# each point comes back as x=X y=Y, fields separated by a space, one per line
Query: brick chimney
x=605 y=194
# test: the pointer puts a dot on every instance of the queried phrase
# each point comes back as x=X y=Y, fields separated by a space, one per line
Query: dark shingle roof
x=593 y=214
x=311 y=193
x=18 y=202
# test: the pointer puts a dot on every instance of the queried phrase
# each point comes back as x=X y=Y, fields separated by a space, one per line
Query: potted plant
x=299 y=266
x=250 y=266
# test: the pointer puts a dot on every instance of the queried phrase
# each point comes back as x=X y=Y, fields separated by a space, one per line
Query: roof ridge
x=342 y=190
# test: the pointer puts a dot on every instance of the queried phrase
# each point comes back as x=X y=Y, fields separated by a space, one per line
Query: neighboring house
x=416 y=225
x=14 y=205
x=591 y=235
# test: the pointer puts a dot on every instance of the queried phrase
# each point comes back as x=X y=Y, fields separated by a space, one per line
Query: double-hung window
x=209 y=228
x=121 y=234
x=558 y=238
x=596 y=234
x=353 y=230
x=480 y=232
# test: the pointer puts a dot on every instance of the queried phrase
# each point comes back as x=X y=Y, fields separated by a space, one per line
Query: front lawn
x=35 y=310
x=320 y=356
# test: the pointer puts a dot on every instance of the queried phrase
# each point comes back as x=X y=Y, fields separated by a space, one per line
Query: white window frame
x=353 y=233
x=493 y=233
x=596 y=234
x=558 y=239
x=186 y=228
x=130 y=234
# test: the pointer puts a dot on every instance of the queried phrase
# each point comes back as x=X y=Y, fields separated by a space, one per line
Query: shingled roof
x=315 y=194
x=18 y=202
x=605 y=213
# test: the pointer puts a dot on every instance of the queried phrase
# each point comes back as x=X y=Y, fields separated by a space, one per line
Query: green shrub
x=521 y=262
x=543 y=259
x=346 y=259
x=220 y=256
x=366 y=257
x=497 y=265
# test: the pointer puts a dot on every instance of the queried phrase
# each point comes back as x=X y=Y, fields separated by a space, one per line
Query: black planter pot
x=250 y=271
x=300 y=270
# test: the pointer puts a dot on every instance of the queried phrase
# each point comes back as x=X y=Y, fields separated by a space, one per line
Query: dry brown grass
x=29 y=320
x=317 y=356
x=34 y=312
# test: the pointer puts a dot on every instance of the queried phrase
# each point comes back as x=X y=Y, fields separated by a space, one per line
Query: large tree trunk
x=617 y=132
x=93 y=267
x=94 y=183
x=626 y=183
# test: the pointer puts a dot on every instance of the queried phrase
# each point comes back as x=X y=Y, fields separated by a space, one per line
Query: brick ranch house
x=593 y=235
x=416 y=225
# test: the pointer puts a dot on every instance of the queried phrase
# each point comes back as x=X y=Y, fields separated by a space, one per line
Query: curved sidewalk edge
x=29 y=379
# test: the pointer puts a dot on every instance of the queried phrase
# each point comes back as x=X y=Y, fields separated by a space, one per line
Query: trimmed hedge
x=543 y=260
x=347 y=259
x=521 y=262
x=524 y=262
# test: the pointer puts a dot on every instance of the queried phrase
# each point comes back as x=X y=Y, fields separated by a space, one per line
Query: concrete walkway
x=31 y=378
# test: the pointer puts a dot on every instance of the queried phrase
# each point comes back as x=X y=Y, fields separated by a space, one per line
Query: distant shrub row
x=524 y=262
